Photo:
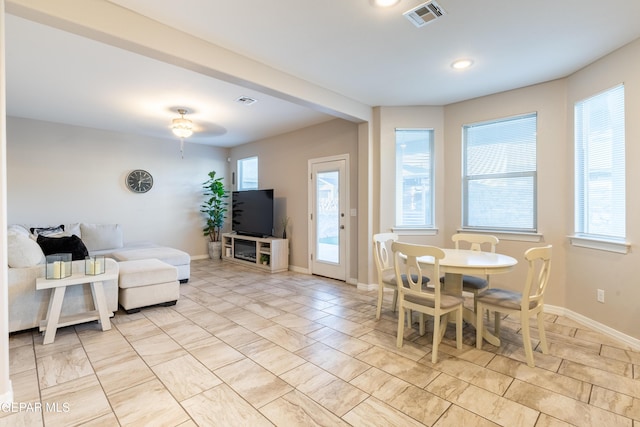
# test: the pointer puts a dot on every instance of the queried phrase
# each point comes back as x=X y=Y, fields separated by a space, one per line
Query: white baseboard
x=367 y=286
x=198 y=257
x=7 y=397
x=592 y=324
x=298 y=269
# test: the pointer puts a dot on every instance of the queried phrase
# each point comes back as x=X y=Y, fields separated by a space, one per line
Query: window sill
x=406 y=231
x=617 y=246
x=507 y=235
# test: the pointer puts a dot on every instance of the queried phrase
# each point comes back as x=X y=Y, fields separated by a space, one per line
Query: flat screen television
x=252 y=212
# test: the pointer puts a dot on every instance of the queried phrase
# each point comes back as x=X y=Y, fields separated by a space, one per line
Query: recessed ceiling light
x=385 y=3
x=461 y=64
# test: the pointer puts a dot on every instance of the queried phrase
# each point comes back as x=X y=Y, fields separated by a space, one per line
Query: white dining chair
x=383 y=258
x=474 y=242
x=528 y=303
x=414 y=297
x=384 y=266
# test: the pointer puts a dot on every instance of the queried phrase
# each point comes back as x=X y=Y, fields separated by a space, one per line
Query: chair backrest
x=382 y=252
x=539 y=260
x=476 y=241
x=407 y=263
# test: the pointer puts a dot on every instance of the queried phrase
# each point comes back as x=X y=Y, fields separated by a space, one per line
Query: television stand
x=266 y=253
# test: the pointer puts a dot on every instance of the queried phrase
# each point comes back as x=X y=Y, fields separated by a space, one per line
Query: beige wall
x=548 y=101
x=63 y=174
x=6 y=391
x=392 y=118
x=282 y=165
x=577 y=272
x=589 y=270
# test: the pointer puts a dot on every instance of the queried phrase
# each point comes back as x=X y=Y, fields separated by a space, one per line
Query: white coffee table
x=58 y=287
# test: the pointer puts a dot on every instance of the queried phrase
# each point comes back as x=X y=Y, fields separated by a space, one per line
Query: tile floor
x=242 y=348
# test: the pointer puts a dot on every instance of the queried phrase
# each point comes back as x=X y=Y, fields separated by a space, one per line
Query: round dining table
x=457 y=262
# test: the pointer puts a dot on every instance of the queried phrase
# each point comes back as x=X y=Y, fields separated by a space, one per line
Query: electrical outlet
x=601 y=295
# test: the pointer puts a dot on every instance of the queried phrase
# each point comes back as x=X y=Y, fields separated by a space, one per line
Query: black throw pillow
x=61 y=245
x=46 y=231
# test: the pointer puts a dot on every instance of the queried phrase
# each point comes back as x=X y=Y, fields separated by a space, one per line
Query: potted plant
x=214 y=208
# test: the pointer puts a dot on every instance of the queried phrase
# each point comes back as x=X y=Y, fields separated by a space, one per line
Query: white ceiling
x=371 y=55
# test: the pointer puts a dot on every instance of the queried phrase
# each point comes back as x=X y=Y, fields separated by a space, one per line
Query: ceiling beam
x=112 y=24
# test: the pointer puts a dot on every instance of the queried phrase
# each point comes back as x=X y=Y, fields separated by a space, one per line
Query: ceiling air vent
x=425 y=13
x=246 y=100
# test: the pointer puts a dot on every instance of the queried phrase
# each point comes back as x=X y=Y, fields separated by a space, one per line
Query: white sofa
x=28 y=306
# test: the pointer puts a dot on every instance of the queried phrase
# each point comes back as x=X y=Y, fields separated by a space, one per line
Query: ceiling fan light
x=182 y=128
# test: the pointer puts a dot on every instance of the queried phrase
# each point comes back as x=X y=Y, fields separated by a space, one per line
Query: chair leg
x=542 y=334
x=395 y=300
x=421 y=327
x=496 y=323
x=379 y=306
x=475 y=301
x=459 y=328
x=526 y=338
x=436 y=339
x=475 y=305
x=400 y=326
x=444 y=320
x=479 y=326
x=488 y=286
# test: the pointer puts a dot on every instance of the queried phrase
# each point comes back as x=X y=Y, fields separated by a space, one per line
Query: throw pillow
x=100 y=237
x=17 y=229
x=46 y=231
x=73 y=228
x=22 y=251
x=69 y=244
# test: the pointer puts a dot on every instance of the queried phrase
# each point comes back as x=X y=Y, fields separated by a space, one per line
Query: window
x=414 y=178
x=599 y=168
x=248 y=174
x=499 y=174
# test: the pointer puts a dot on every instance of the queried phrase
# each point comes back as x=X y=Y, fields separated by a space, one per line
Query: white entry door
x=328 y=217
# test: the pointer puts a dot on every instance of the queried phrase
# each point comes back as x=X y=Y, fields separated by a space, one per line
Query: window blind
x=499 y=174
x=414 y=178
x=600 y=165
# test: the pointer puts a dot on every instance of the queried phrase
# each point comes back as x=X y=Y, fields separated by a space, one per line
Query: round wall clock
x=139 y=181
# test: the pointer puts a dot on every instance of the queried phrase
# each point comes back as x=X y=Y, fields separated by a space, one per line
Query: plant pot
x=215 y=250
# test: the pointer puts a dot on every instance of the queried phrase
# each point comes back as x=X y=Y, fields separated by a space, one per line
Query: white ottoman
x=147 y=282
x=179 y=259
